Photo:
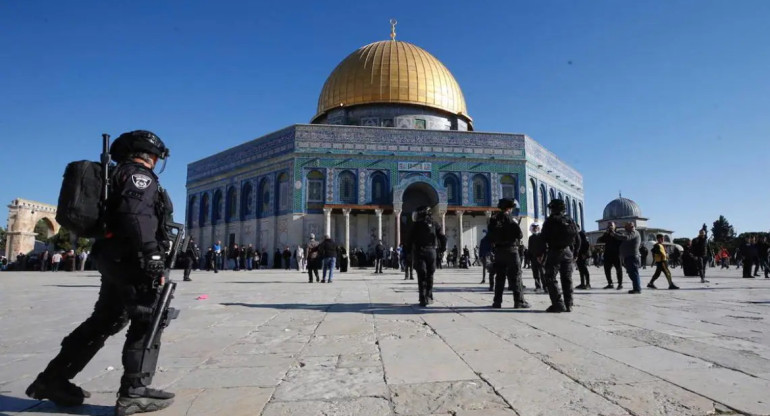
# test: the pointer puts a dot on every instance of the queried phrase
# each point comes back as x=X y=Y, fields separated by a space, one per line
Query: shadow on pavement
x=18 y=404
x=376 y=308
x=74 y=285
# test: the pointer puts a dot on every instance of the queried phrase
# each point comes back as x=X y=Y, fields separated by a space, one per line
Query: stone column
x=327 y=222
x=488 y=214
x=460 y=232
x=346 y=213
x=397 y=216
x=378 y=212
x=443 y=220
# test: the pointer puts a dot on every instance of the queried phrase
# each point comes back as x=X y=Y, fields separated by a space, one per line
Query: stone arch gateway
x=23 y=214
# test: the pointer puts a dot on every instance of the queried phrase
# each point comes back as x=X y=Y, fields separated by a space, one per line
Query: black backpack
x=565 y=233
x=81 y=209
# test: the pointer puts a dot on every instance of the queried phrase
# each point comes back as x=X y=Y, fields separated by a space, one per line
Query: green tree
x=722 y=231
x=41 y=230
x=84 y=244
x=2 y=240
x=61 y=241
x=682 y=241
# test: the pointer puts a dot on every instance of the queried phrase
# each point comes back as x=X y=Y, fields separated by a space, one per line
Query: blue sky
x=668 y=101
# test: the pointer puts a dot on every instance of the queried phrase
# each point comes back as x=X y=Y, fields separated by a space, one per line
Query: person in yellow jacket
x=660 y=258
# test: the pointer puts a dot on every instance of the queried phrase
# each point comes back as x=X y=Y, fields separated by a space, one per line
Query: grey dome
x=621 y=208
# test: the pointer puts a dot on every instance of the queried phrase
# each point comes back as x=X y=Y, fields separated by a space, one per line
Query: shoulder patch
x=141 y=181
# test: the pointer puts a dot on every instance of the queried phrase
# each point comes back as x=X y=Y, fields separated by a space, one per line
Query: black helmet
x=557 y=205
x=421 y=213
x=138 y=141
x=506 y=203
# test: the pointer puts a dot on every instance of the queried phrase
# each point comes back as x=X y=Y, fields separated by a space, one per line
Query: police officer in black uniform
x=562 y=238
x=424 y=239
x=192 y=257
x=130 y=259
x=506 y=236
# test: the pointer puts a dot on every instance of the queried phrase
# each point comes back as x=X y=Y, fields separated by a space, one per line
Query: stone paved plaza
x=268 y=343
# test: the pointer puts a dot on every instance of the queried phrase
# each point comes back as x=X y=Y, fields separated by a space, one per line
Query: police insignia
x=141 y=181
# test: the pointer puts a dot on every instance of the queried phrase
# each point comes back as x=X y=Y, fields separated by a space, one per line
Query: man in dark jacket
x=761 y=259
x=379 y=255
x=611 y=256
x=700 y=251
x=485 y=251
x=327 y=251
x=643 y=253
x=505 y=235
x=424 y=239
x=582 y=262
x=562 y=239
x=747 y=251
x=536 y=247
x=191 y=258
x=250 y=257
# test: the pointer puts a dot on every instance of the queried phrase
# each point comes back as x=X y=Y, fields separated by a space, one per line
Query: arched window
x=347 y=190
x=453 y=193
x=191 y=211
x=379 y=188
x=508 y=186
x=543 y=201
x=480 y=190
x=575 y=213
x=231 y=207
x=315 y=186
x=216 y=215
x=205 y=207
x=535 y=200
x=552 y=195
x=561 y=196
x=263 y=202
x=282 y=192
x=247 y=200
x=582 y=224
x=567 y=204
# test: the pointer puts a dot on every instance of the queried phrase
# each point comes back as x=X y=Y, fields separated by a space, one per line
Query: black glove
x=153 y=266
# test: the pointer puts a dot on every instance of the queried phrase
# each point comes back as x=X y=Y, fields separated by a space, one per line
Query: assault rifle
x=162 y=313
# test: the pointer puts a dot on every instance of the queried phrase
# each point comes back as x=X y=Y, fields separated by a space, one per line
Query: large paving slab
x=268 y=343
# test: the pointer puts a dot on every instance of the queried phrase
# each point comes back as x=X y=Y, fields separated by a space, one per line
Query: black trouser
x=702 y=263
x=378 y=265
x=312 y=267
x=747 y=267
x=609 y=263
x=537 y=272
x=507 y=266
x=118 y=303
x=559 y=261
x=188 y=265
x=425 y=266
x=585 y=275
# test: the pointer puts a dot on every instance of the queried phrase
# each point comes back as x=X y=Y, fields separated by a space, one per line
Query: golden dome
x=392 y=71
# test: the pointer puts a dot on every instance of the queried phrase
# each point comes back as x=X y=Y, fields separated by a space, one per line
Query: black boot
x=556 y=308
x=141 y=400
x=60 y=391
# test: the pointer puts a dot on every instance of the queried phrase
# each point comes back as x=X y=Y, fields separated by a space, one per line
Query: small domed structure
x=621 y=211
x=621 y=208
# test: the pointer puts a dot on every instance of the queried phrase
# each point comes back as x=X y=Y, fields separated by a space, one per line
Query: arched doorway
x=416 y=195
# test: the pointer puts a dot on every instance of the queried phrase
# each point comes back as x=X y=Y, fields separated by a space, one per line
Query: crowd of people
x=49 y=260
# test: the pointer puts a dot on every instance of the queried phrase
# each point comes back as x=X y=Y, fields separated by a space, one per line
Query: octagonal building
x=391 y=132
